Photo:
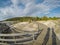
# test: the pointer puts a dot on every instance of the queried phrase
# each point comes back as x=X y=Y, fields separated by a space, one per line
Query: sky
x=19 y=8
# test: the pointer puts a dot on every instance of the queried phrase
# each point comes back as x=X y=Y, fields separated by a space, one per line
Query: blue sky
x=18 y=8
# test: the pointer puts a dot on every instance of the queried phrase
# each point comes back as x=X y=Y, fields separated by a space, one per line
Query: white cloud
x=30 y=8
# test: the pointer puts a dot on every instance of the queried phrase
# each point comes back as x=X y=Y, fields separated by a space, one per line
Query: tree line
x=32 y=18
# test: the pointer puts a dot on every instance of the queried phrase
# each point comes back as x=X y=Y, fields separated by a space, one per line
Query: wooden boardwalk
x=47 y=37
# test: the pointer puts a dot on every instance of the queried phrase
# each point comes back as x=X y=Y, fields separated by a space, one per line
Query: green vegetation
x=32 y=18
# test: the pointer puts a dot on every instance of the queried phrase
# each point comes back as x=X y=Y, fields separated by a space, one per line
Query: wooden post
x=33 y=38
